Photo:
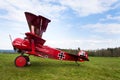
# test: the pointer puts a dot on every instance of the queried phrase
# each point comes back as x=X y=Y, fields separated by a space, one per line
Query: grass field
x=98 y=68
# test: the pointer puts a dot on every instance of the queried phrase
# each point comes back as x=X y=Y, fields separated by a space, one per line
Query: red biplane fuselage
x=33 y=44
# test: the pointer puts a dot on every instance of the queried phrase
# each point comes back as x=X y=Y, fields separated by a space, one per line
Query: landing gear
x=77 y=63
x=28 y=60
x=22 y=61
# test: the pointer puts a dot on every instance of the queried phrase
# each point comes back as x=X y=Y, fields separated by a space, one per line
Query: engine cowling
x=21 y=44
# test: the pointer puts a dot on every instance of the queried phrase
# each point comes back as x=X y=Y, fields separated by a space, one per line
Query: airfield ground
x=98 y=68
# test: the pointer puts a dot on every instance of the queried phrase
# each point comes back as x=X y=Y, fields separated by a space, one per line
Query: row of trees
x=109 y=52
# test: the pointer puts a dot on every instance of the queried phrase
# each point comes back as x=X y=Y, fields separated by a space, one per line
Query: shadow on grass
x=55 y=64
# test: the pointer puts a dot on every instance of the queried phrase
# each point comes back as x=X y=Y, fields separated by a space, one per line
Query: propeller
x=11 y=42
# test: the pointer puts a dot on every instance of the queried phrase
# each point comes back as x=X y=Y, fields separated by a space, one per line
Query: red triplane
x=33 y=44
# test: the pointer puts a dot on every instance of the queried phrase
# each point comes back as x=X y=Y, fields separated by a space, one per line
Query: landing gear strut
x=22 y=61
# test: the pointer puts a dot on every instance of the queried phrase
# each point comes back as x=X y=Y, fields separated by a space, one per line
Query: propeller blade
x=10 y=38
x=11 y=41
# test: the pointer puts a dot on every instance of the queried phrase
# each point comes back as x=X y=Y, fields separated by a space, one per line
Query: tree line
x=109 y=52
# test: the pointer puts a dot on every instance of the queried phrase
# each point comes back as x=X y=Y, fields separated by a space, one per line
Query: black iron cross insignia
x=61 y=56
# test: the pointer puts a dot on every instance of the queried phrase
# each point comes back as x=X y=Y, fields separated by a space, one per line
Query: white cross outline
x=61 y=55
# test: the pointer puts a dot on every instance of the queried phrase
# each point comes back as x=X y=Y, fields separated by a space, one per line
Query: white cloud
x=110 y=17
x=84 y=44
x=88 y=7
x=15 y=9
x=112 y=28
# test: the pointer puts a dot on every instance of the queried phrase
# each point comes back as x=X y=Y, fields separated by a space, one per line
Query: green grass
x=98 y=68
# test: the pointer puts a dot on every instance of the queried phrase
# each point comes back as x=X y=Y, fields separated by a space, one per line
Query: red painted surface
x=33 y=43
x=20 y=61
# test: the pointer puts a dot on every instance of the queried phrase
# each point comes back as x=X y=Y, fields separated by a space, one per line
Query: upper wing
x=37 y=24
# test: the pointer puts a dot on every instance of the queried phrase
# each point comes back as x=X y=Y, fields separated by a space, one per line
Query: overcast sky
x=88 y=24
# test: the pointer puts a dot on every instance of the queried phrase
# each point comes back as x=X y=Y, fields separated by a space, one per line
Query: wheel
x=20 y=61
x=28 y=60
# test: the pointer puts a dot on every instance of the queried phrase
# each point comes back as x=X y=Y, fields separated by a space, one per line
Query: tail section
x=83 y=55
